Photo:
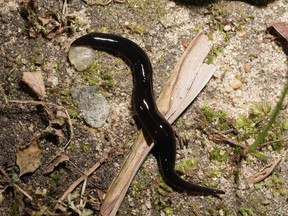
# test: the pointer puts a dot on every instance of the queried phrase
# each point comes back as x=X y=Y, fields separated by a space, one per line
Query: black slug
x=145 y=107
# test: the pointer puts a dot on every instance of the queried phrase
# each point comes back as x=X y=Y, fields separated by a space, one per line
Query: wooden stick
x=187 y=80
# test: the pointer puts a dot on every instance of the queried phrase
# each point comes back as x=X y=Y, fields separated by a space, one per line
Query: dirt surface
x=251 y=69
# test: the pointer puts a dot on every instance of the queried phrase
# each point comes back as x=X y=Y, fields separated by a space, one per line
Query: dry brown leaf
x=44 y=20
x=35 y=81
x=32 y=33
x=56 y=162
x=29 y=158
x=281 y=28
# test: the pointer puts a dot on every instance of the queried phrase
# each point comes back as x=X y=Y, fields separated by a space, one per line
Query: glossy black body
x=144 y=103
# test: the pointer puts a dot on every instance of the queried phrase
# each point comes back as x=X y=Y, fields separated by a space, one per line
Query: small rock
x=167 y=21
x=81 y=57
x=39 y=59
x=250 y=141
x=171 y=4
x=236 y=83
x=148 y=204
x=94 y=107
x=53 y=80
x=247 y=67
x=265 y=202
x=227 y=28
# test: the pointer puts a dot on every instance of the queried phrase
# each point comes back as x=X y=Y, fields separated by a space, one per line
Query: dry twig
x=265 y=172
x=17 y=187
x=84 y=178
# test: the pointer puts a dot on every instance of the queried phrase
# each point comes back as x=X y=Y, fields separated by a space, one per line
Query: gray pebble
x=94 y=107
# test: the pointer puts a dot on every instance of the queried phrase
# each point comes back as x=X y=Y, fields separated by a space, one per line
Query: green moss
x=273 y=118
x=72 y=147
x=246 y=211
x=240 y=27
x=218 y=119
x=54 y=177
x=257 y=186
x=243 y=122
x=168 y=211
x=91 y=80
x=228 y=211
x=214 y=173
x=75 y=22
x=214 y=52
x=61 y=171
x=217 y=155
x=227 y=36
x=260 y=109
x=160 y=203
x=187 y=165
x=65 y=93
x=138 y=186
x=86 y=147
x=161 y=191
x=165 y=187
x=213 y=116
x=277 y=185
x=73 y=113
x=197 y=28
x=107 y=79
x=210 y=184
x=137 y=29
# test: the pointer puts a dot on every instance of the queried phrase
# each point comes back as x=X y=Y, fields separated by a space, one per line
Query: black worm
x=145 y=107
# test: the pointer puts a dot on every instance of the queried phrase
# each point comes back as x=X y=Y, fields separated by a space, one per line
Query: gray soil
x=251 y=69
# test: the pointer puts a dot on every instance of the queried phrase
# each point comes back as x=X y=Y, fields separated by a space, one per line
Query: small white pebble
x=81 y=57
x=235 y=83
x=227 y=28
x=171 y=5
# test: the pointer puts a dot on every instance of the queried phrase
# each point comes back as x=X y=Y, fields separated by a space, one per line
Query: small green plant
x=168 y=211
x=64 y=93
x=215 y=51
x=217 y=155
x=86 y=147
x=277 y=185
x=72 y=147
x=91 y=80
x=73 y=113
x=54 y=177
x=218 y=119
x=246 y=211
x=261 y=137
x=187 y=165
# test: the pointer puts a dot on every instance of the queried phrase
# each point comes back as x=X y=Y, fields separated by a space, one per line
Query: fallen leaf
x=56 y=162
x=35 y=81
x=281 y=28
x=44 y=20
x=29 y=158
x=32 y=33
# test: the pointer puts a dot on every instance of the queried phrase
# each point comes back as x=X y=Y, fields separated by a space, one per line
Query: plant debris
x=265 y=172
x=281 y=28
x=35 y=81
x=29 y=158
